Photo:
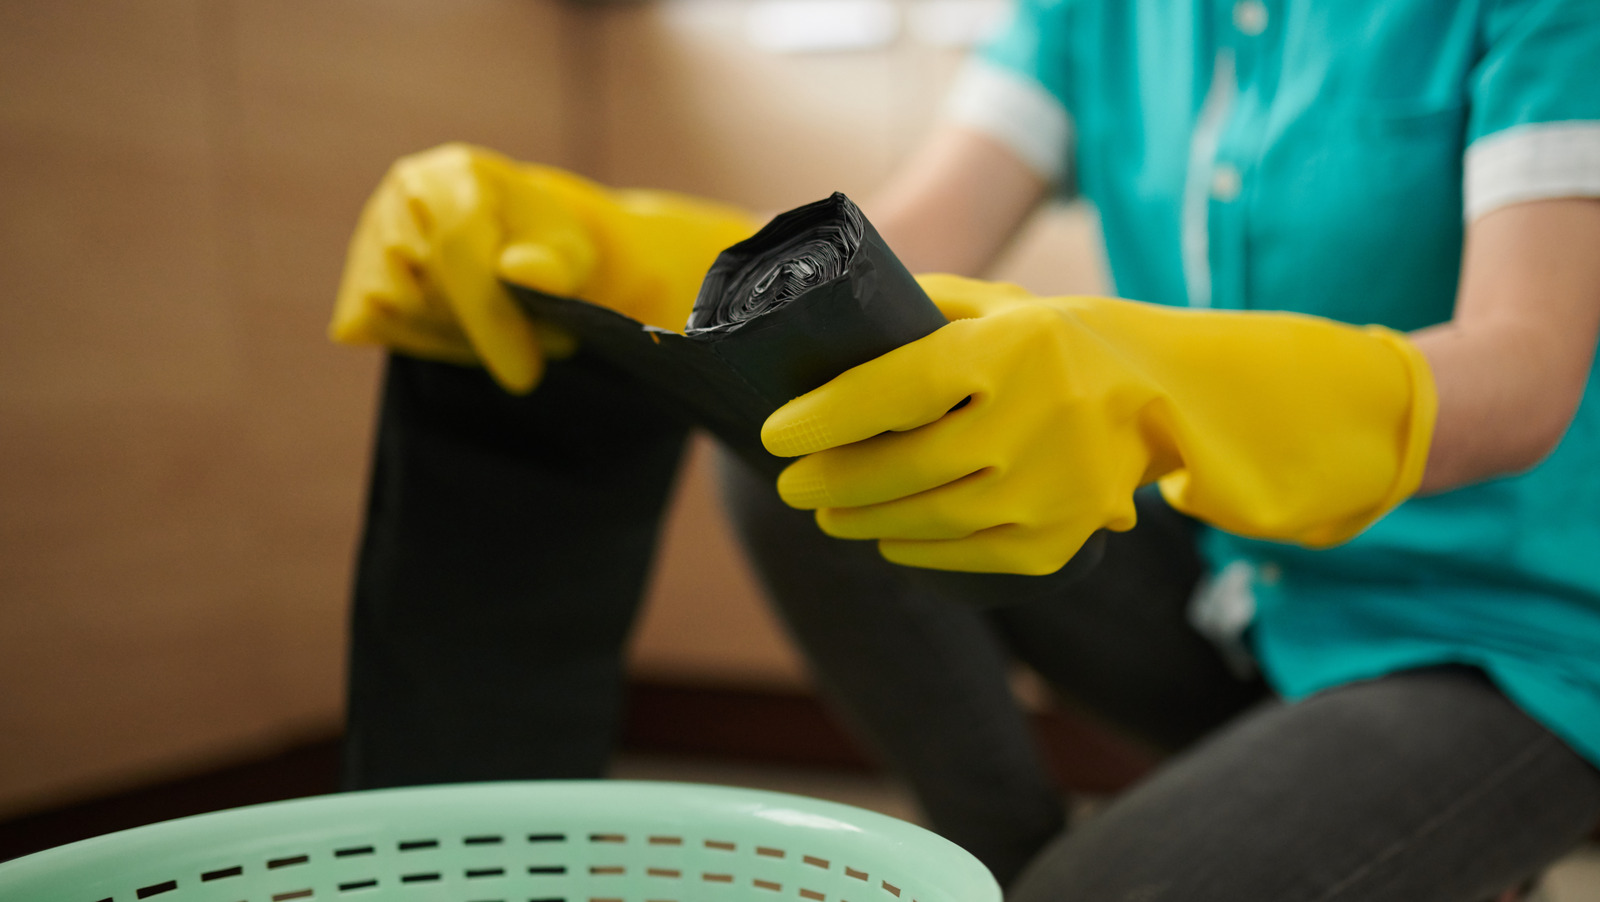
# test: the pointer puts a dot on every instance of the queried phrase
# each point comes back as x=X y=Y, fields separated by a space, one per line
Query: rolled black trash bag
x=815 y=292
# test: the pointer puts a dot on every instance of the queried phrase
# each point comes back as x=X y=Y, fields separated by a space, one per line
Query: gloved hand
x=1272 y=425
x=445 y=225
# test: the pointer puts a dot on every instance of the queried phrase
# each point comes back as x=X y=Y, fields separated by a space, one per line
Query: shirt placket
x=1226 y=146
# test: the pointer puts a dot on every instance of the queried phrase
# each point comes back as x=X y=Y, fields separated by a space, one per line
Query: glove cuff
x=1331 y=449
x=1414 y=444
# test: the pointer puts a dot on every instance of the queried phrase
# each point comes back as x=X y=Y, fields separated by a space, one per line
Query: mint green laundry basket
x=558 y=841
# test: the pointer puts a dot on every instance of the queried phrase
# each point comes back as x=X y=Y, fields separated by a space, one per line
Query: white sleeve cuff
x=1016 y=111
x=1532 y=162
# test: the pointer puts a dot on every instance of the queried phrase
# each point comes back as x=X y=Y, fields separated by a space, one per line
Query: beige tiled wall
x=182 y=455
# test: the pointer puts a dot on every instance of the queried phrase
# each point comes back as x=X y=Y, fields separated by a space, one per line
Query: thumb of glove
x=557 y=261
x=503 y=338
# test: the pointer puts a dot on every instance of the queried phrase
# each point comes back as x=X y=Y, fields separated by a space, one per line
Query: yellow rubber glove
x=1272 y=425
x=446 y=225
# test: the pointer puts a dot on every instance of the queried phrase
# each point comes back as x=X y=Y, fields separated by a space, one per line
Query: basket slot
x=478 y=873
x=156 y=889
x=599 y=855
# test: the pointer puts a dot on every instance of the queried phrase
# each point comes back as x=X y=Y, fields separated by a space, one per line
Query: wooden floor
x=769 y=740
x=715 y=727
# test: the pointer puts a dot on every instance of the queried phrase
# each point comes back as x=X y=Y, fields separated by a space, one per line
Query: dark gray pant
x=1421 y=786
x=506 y=545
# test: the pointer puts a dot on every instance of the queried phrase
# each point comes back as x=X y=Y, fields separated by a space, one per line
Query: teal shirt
x=1323 y=156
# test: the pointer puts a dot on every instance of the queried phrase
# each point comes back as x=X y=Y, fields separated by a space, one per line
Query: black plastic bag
x=814 y=293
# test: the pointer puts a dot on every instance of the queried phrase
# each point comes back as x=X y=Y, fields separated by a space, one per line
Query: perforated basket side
x=566 y=841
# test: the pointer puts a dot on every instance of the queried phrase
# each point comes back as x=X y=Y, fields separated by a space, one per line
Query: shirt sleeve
x=1015 y=88
x=1534 y=131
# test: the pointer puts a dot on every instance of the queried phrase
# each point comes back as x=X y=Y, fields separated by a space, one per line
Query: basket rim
x=262 y=827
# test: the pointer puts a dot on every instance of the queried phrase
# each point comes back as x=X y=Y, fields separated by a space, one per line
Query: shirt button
x=1269 y=573
x=1225 y=182
x=1250 y=16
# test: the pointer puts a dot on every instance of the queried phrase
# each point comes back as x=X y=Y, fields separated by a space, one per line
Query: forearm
x=1505 y=399
x=1511 y=366
x=954 y=205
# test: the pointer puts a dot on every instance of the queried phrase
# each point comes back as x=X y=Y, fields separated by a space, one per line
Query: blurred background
x=183 y=455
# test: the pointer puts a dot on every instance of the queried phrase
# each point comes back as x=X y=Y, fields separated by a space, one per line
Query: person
x=1386 y=529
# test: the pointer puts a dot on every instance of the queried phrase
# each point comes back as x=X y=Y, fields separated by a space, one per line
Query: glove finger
x=385 y=295
x=398 y=335
x=889 y=466
x=381 y=302
x=504 y=338
x=400 y=222
x=952 y=511
x=1011 y=548
x=548 y=246
x=556 y=261
x=370 y=277
x=451 y=195
x=959 y=297
x=911 y=386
